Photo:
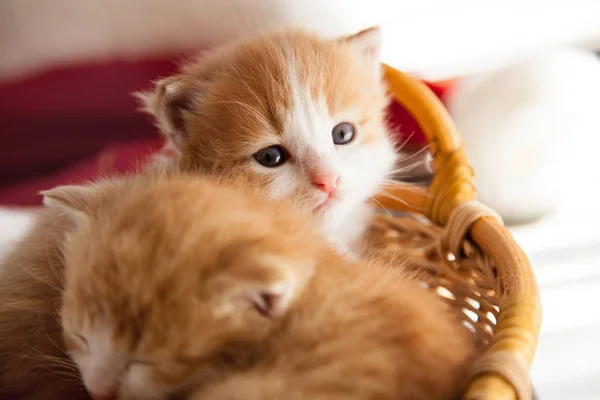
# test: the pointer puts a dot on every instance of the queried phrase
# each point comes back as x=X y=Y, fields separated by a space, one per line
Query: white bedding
x=13 y=224
x=436 y=38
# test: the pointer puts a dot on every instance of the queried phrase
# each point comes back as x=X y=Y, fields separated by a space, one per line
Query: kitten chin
x=346 y=235
x=316 y=105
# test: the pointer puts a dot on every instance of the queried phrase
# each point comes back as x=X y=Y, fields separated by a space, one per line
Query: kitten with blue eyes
x=299 y=116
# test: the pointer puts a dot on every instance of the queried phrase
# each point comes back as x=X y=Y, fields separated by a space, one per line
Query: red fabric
x=70 y=124
x=55 y=127
x=403 y=124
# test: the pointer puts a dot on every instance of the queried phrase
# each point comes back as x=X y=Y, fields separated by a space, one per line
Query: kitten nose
x=97 y=396
x=327 y=182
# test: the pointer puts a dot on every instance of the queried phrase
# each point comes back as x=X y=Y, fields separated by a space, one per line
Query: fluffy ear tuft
x=367 y=42
x=75 y=201
x=268 y=285
x=270 y=300
x=169 y=103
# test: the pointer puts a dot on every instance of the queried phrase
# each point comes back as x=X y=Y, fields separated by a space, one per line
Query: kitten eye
x=343 y=133
x=82 y=339
x=272 y=156
x=136 y=361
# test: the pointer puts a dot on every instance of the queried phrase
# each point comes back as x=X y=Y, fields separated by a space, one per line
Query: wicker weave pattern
x=469 y=257
x=463 y=281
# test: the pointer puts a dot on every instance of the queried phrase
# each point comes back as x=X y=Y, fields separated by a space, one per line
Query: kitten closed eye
x=137 y=362
x=82 y=341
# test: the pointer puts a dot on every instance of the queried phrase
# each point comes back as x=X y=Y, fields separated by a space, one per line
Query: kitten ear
x=269 y=299
x=367 y=42
x=171 y=100
x=73 y=200
x=269 y=285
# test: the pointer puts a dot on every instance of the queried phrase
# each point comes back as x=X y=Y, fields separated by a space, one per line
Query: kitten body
x=144 y=313
x=290 y=92
x=357 y=333
x=177 y=283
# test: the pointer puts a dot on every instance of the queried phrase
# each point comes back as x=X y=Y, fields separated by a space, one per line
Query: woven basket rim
x=502 y=372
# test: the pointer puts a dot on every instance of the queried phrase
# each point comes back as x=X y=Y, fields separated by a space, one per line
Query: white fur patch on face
x=307 y=135
x=139 y=383
x=105 y=372
x=101 y=367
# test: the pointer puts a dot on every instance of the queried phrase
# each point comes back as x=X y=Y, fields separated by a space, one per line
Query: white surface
x=440 y=38
x=565 y=253
x=435 y=38
x=529 y=128
x=13 y=223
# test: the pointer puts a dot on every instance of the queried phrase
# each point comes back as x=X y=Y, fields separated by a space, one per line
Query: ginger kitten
x=177 y=283
x=296 y=114
x=110 y=277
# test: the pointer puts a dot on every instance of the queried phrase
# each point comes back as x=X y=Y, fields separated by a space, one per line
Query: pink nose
x=326 y=183
x=97 y=396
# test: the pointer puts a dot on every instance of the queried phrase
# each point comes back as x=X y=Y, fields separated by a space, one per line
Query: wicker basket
x=470 y=257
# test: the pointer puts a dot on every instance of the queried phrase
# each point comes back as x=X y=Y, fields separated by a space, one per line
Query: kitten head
x=299 y=115
x=168 y=279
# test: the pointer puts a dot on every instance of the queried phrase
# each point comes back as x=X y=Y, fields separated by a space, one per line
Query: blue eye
x=271 y=157
x=343 y=133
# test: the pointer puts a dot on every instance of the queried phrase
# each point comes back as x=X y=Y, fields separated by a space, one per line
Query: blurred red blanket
x=71 y=124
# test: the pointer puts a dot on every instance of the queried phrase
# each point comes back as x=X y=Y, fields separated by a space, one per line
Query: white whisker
x=378 y=203
x=405 y=141
x=416 y=153
x=392 y=197
x=406 y=186
x=410 y=167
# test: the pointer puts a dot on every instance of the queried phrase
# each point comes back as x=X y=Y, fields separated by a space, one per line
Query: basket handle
x=453 y=182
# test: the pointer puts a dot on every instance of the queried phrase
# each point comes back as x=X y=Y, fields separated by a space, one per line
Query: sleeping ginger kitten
x=290 y=112
x=109 y=277
x=178 y=283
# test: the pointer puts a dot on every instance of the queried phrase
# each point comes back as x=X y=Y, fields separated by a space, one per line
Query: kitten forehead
x=270 y=89
x=307 y=122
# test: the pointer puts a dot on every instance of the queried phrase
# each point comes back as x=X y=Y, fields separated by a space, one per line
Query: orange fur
x=145 y=264
x=173 y=268
x=358 y=332
x=133 y=254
